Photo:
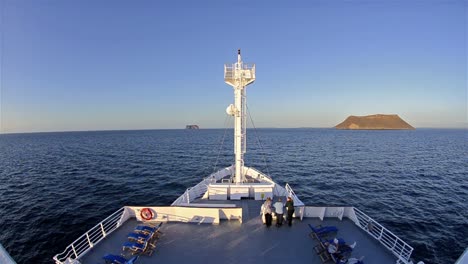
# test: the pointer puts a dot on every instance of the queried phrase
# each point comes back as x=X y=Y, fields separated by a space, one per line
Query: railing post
x=74 y=251
x=394 y=245
x=89 y=240
x=381 y=233
x=102 y=229
x=401 y=251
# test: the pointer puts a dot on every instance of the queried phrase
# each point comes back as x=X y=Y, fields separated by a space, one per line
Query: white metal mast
x=239 y=75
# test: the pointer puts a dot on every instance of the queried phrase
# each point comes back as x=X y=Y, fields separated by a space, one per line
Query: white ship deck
x=249 y=242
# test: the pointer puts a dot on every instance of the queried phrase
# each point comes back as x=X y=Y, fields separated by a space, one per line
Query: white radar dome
x=231 y=110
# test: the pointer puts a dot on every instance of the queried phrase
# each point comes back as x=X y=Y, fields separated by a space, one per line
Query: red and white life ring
x=146 y=214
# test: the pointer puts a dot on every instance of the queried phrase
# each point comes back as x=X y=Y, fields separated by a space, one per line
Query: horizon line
x=149 y=129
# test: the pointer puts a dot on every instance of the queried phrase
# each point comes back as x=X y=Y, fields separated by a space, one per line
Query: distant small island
x=376 y=122
x=192 y=127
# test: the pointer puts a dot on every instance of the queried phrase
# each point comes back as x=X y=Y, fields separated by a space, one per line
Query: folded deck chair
x=115 y=259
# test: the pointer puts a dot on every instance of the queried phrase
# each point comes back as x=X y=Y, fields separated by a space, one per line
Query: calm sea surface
x=56 y=186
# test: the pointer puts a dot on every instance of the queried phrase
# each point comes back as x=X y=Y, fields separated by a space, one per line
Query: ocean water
x=56 y=186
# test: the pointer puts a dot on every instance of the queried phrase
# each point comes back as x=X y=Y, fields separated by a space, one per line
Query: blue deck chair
x=147 y=229
x=345 y=249
x=115 y=259
x=323 y=230
x=134 y=247
x=137 y=248
x=341 y=241
x=140 y=237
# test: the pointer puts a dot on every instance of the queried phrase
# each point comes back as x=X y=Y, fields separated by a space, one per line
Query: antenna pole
x=239 y=129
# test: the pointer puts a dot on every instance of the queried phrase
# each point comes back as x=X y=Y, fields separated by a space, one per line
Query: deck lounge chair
x=356 y=261
x=145 y=229
x=345 y=249
x=137 y=248
x=115 y=259
x=323 y=251
x=134 y=247
x=140 y=237
x=322 y=231
x=341 y=241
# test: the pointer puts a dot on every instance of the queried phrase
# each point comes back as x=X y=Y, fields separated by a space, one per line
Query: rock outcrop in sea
x=378 y=121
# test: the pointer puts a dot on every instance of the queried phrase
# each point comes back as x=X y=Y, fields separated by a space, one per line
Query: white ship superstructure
x=219 y=219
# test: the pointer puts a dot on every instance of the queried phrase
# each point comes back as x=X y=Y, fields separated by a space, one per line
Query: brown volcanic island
x=374 y=122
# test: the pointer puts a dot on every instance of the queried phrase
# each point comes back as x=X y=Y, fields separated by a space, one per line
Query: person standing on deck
x=290 y=210
x=266 y=210
x=279 y=212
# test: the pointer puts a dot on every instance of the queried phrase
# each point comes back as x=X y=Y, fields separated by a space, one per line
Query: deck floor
x=249 y=242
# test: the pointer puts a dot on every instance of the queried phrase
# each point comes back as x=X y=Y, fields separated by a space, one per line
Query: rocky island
x=192 y=127
x=378 y=121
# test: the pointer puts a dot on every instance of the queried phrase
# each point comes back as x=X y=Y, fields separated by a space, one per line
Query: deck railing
x=296 y=200
x=463 y=258
x=392 y=242
x=200 y=189
x=292 y=194
x=89 y=239
x=5 y=258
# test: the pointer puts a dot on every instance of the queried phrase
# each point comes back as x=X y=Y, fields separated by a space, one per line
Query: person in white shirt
x=279 y=212
x=266 y=211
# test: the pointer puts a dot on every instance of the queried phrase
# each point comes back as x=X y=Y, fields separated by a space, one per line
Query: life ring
x=146 y=214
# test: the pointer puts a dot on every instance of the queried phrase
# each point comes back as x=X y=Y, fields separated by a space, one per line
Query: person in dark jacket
x=290 y=210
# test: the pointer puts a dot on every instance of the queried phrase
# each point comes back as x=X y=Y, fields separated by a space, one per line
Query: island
x=374 y=122
x=192 y=127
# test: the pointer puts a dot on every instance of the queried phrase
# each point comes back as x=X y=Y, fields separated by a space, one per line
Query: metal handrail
x=229 y=69
x=192 y=193
x=92 y=237
x=5 y=258
x=292 y=194
x=391 y=241
x=198 y=190
x=296 y=200
x=463 y=258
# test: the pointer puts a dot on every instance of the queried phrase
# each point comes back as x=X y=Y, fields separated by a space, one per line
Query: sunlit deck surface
x=249 y=242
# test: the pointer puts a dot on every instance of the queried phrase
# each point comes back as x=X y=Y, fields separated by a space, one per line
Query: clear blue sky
x=95 y=65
